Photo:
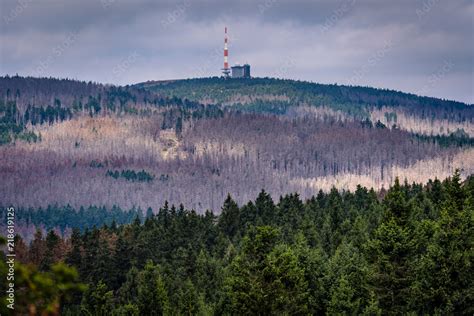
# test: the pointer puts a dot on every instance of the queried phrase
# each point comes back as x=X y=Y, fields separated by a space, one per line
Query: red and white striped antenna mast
x=226 y=70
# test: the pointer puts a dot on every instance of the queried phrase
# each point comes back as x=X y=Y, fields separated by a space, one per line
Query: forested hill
x=352 y=99
x=72 y=94
x=64 y=142
x=394 y=109
x=29 y=100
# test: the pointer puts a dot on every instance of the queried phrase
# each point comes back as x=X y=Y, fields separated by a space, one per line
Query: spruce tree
x=51 y=253
x=390 y=251
x=152 y=296
x=265 y=278
x=74 y=257
x=229 y=218
x=444 y=283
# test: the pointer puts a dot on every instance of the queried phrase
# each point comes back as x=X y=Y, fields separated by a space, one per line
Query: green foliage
x=346 y=279
x=5 y=137
x=337 y=253
x=96 y=164
x=131 y=175
x=391 y=117
x=8 y=121
x=97 y=300
x=185 y=110
x=355 y=101
x=343 y=299
x=261 y=106
x=42 y=293
x=47 y=114
x=54 y=216
x=229 y=218
x=29 y=137
x=51 y=242
x=266 y=278
x=379 y=124
x=458 y=139
x=444 y=283
x=152 y=296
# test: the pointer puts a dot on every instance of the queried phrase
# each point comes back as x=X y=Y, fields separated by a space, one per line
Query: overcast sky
x=419 y=46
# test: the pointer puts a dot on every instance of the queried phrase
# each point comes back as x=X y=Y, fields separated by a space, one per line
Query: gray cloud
x=398 y=45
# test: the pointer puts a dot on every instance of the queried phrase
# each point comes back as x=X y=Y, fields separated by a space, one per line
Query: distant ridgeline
x=350 y=99
x=27 y=100
x=418 y=114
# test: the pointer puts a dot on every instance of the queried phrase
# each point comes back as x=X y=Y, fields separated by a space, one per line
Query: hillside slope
x=413 y=113
x=82 y=147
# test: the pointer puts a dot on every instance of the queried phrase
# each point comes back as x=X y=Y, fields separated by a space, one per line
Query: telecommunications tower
x=226 y=69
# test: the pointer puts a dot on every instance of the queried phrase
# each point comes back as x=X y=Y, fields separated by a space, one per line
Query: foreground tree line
x=407 y=250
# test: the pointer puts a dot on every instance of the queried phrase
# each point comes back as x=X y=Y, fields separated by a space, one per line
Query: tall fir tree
x=390 y=251
x=229 y=218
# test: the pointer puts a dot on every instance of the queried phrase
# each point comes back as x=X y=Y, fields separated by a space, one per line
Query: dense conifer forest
x=406 y=250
